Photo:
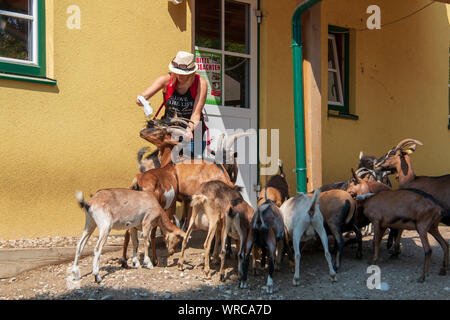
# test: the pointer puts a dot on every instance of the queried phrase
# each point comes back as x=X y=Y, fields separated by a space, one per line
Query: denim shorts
x=190 y=149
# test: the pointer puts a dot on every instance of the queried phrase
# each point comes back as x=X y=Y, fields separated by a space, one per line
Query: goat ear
x=355 y=176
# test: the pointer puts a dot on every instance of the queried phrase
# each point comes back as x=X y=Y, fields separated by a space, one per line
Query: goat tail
x=141 y=153
x=349 y=210
x=83 y=204
x=198 y=199
x=316 y=196
x=314 y=202
x=280 y=167
x=259 y=223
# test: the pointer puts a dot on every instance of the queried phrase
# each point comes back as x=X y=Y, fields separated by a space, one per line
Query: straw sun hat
x=183 y=63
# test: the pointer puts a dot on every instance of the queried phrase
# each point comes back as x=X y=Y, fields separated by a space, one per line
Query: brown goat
x=411 y=210
x=398 y=158
x=276 y=189
x=220 y=209
x=338 y=208
x=267 y=232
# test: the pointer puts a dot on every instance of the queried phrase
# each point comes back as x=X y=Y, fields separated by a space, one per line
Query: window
x=338 y=70
x=22 y=37
x=222 y=43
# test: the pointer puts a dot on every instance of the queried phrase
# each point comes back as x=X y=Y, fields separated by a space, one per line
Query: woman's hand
x=139 y=102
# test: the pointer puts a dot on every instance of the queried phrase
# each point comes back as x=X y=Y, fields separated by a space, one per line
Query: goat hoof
x=269 y=290
x=421 y=279
x=98 y=279
x=124 y=264
x=222 y=277
x=180 y=266
x=333 y=277
x=443 y=272
x=243 y=285
x=296 y=282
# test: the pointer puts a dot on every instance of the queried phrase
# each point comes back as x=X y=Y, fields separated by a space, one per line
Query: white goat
x=302 y=214
x=122 y=209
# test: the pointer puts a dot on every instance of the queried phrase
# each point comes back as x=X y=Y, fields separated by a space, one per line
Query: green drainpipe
x=299 y=104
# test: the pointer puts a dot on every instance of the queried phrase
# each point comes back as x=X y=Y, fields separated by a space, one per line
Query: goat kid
x=276 y=189
x=267 y=232
x=406 y=209
x=302 y=215
x=220 y=209
x=121 y=209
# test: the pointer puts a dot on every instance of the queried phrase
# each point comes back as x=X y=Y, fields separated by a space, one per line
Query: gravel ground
x=398 y=276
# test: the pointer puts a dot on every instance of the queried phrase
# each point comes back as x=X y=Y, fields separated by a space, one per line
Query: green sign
x=210 y=69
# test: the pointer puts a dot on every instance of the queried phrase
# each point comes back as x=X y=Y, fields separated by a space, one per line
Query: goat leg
x=427 y=250
x=146 y=227
x=246 y=262
x=135 y=241
x=377 y=236
x=358 y=240
x=98 y=251
x=271 y=249
x=126 y=240
x=207 y=247
x=87 y=232
x=153 y=244
x=434 y=231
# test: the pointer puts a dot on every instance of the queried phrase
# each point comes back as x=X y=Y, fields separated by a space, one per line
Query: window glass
x=208 y=23
x=17 y=6
x=15 y=38
x=236 y=81
x=335 y=93
x=237 y=26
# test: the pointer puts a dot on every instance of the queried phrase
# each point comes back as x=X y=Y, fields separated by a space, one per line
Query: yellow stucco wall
x=82 y=134
x=276 y=94
x=398 y=86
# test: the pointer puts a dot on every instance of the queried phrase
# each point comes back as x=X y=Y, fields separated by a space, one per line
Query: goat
x=267 y=232
x=276 y=189
x=225 y=155
x=150 y=161
x=220 y=209
x=398 y=159
x=409 y=209
x=356 y=187
x=302 y=214
x=338 y=208
x=123 y=209
x=368 y=163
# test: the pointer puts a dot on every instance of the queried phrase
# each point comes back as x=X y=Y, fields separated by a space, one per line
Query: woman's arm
x=199 y=103
x=160 y=83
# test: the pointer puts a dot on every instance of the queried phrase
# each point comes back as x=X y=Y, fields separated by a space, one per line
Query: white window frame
x=251 y=55
x=332 y=37
x=34 y=34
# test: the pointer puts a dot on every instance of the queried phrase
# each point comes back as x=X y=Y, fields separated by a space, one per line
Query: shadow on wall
x=21 y=85
x=178 y=14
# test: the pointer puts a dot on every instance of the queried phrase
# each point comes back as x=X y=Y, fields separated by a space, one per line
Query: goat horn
x=357 y=179
x=219 y=146
x=184 y=121
x=234 y=137
x=178 y=131
x=405 y=143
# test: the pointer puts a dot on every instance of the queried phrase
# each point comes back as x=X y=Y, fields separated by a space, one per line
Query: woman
x=184 y=92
